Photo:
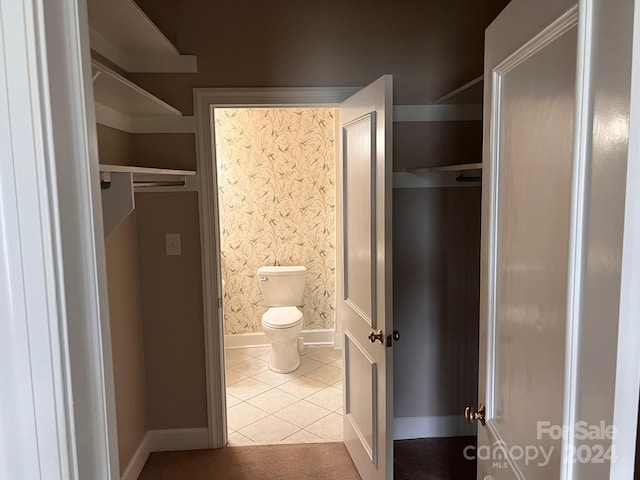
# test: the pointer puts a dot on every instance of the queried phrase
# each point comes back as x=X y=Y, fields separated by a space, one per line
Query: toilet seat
x=282 y=317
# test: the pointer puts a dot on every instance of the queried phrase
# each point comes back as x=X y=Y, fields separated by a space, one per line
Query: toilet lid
x=282 y=317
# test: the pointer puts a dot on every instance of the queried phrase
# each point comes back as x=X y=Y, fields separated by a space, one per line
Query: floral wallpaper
x=277 y=207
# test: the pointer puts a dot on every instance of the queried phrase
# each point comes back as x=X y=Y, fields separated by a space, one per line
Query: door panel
x=359 y=216
x=365 y=306
x=527 y=203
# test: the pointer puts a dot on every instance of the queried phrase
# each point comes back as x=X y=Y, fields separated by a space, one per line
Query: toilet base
x=284 y=357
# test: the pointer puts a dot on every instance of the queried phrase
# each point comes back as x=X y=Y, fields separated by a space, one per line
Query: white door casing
x=56 y=396
x=364 y=187
x=557 y=85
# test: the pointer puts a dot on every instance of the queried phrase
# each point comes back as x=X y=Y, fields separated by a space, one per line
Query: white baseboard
x=259 y=339
x=431 y=427
x=165 y=441
x=136 y=464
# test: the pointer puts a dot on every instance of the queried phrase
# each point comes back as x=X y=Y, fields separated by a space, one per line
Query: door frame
x=54 y=334
x=205 y=101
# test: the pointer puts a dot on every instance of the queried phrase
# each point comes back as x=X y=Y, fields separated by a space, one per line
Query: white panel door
x=365 y=301
x=530 y=97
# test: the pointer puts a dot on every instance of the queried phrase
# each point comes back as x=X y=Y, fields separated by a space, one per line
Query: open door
x=545 y=351
x=365 y=300
x=530 y=83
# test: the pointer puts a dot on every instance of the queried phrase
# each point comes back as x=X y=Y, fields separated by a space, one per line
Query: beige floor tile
x=273 y=400
x=302 y=436
x=327 y=374
x=231 y=376
x=325 y=354
x=328 y=428
x=308 y=365
x=338 y=385
x=248 y=388
x=302 y=387
x=329 y=398
x=243 y=414
x=269 y=430
x=340 y=411
x=250 y=368
x=302 y=413
x=274 y=379
x=236 y=439
x=265 y=357
x=232 y=401
x=337 y=363
x=233 y=357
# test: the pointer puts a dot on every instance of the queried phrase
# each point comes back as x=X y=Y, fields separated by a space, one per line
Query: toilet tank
x=282 y=286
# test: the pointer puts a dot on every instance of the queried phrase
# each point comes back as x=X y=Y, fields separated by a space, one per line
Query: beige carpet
x=308 y=461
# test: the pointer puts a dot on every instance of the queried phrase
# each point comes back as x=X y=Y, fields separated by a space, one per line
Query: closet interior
x=437 y=184
x=150 y=206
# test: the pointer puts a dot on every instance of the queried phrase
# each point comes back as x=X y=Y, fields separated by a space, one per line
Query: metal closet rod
x=462 y=179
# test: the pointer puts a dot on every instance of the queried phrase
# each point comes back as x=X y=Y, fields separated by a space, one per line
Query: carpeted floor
x=433 y=459
x=310 y=461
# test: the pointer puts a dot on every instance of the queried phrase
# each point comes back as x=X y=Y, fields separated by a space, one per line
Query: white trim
x=112 y=118
x=57 y=398
x=161 y=124
x=625 y=418
x=578 y=219
x=259 y=339
x=137 y=462
x=204 y=100
x=431 y=427
x=437 y=113
x=165 y=441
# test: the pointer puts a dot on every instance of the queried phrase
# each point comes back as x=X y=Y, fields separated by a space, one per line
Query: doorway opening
x=277 y=207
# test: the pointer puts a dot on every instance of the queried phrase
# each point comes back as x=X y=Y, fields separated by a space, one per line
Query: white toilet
x=282 y=290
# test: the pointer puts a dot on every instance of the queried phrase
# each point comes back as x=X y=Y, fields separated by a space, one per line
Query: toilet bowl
x=282 y=326
x=282 y=291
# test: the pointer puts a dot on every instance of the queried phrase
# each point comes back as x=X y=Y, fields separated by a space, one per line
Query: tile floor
x=264 y=407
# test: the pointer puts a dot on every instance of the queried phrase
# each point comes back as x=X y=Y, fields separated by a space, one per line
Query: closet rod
x=462 y=179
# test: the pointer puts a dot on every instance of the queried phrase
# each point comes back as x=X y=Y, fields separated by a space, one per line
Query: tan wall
x=277 y=207
x=115 y=146
x=431 y=47
x=126 y=338
x=171 y=295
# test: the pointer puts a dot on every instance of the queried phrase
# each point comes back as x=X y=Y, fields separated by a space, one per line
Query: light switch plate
x=172 y=243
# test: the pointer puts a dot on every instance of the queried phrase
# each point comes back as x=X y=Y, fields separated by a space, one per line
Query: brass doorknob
x=376 y=336
x=472 y=415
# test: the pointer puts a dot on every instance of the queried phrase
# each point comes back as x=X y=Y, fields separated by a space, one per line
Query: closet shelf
x=437 y=177
x=470 y=93
x=122 y=32
x=448 y=168
x=118 y=94
x=144 y=170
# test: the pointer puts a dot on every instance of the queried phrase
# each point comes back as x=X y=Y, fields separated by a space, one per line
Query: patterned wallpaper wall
x=277 y=207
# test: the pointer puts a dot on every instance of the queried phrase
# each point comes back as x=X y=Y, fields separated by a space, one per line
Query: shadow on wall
x=276 y=193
